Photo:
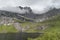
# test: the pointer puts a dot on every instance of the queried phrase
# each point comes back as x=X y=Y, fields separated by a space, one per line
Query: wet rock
x=26 y=28
x=43 y=27
x=17 y=26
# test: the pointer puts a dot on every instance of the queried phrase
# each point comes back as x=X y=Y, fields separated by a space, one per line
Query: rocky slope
x=27 y=13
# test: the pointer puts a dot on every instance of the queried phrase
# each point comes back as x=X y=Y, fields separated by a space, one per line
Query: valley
x=30 y=26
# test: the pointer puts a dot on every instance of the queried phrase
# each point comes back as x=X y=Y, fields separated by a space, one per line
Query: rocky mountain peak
x=28 y=9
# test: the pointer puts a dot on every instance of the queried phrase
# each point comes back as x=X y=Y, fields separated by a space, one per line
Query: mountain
x=50 y=13
x=27 y=13
x=18 y=9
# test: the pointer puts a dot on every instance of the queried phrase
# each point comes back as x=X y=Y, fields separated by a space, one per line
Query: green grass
x=7 y=29
x=53 y=30
x=32 y=25
x=51 y=33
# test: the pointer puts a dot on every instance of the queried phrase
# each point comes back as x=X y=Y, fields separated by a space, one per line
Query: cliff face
x=30 y=14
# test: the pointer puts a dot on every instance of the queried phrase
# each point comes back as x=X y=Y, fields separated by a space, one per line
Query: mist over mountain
x=27 y=19
x=34 y=9
x=18 y=9
x=38 y=6
x=22 y=10
x=26 y=12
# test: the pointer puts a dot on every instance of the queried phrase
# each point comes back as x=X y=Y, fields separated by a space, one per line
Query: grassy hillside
x=53 y=30
x=7 y=29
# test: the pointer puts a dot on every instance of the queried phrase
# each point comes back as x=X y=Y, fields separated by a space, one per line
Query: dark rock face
x=52 y=12
x=20 y=7
x=30 y=14
x=15 y=15
x=42 y=27
x=26 y=8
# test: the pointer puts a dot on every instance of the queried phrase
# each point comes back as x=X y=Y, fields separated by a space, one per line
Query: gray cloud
x=40 y=5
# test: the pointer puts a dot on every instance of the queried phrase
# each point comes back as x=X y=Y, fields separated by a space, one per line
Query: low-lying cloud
x=39 y=5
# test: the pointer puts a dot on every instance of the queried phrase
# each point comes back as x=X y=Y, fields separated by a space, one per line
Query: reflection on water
x=18 y=36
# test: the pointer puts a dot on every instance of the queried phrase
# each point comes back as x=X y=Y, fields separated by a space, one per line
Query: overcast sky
x=34 y=4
